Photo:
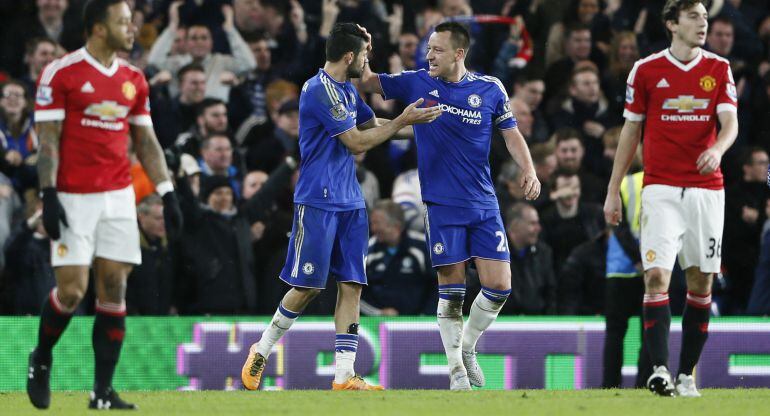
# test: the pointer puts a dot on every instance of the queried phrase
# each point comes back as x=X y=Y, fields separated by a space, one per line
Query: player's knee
x=655 y=281
x=115 y=289
x=308 y=293
x=70 y=296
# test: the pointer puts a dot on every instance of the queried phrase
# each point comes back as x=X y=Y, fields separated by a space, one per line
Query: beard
x=354 y=72
x=119 y=45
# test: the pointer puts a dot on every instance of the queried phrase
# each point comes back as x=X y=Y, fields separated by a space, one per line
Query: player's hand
x=53 y=213
x=413 y=114
x=172 y=215
x=368 y=39
x=708 y=161
x=612 y=208
x=531 y=185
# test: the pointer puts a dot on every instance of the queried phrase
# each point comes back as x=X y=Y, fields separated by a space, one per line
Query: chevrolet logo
x=107 y=110
x=686 y=104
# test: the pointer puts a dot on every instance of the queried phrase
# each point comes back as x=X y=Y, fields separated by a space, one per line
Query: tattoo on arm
x=149 y=153
x=49 y=135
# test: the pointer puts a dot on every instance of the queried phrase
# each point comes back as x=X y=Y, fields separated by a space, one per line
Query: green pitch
x=742 y=402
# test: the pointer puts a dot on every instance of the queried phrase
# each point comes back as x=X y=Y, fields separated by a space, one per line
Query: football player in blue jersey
x=462 y=218
x=330 y=231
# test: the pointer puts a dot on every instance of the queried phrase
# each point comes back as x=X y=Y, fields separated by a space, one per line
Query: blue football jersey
x=453 y=151
x=327 y=171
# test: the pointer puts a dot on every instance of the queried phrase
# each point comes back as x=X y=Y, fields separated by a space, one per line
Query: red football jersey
x=95 y=104
x=679 y=103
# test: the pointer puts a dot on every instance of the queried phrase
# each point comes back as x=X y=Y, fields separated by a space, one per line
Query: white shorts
x=101 y=224
x=683 y=221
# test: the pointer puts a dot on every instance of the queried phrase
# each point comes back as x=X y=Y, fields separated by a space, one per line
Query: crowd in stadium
x=225 y=79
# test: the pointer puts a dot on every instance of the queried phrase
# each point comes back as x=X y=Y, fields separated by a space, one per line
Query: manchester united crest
x=129 y=90
x=650 y=256
x=708 y=83
x=62 y=250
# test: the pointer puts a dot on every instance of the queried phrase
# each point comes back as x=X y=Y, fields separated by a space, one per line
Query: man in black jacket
x=533 y=284
x=401 y=280
x=219 y=270
x=150 y=287
x=569 y=222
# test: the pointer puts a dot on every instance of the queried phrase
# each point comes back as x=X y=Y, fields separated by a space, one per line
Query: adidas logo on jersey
x=434 y=93
x=662 y=83
x=87 y=87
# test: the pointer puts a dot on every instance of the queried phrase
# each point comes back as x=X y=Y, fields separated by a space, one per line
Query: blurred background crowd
x=225 y=77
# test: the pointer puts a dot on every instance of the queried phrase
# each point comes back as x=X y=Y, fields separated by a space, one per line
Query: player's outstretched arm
x=519 y=151
x=711 y=158
x=406 y=132
x=370 y=81
x=150 y=154
x=360 y=141
x=630 y=135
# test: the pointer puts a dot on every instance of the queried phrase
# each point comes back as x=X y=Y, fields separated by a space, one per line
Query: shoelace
x=255 y=366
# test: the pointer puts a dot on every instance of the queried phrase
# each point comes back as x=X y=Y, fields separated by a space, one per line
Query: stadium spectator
x=221 y=70
x=217 y=275
x=624 y=51
x=533 y=284
x=172 y=116
x=216 y=159
x=577 y=48
x=570 y=153
x=151 y=286
x=530 y=89
x=508 y=187
x=587 y=13
x=211 y=117
x=745 y=203
x=586 y=109
x=276 y=94
x=270 y=151
x=406 y=192
x=53 y=19
x=581 y=279
x=18 y=139
x=28 y=276
x=569 y=222
x=401 y=280
x=759 y=301
x=39 y=53
x=247 y=105
x=370 y=186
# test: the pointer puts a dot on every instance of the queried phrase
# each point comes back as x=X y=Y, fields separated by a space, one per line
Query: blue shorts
x=324 y=242
x=456 y=234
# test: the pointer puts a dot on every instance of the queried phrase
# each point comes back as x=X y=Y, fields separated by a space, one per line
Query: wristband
x=164 y=187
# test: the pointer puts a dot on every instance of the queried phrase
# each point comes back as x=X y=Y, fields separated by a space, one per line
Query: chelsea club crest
x=474 y=100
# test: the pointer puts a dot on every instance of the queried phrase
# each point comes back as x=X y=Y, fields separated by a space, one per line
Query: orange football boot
x=251 y=374
x=356 y=383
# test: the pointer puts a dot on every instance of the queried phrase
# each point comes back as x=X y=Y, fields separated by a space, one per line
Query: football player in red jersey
x=678 y=95
x=87 y=104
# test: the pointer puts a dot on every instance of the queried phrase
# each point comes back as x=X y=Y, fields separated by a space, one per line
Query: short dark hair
x=563 y=173
x=566 y=133
x=207 y=103
x=189 y=68
x=32 y=44
x=722 y=19
x=748 y=155
x=344 y=38
x=575 y=27
x=459 y=35
x=95 y=12
x=672 y=8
